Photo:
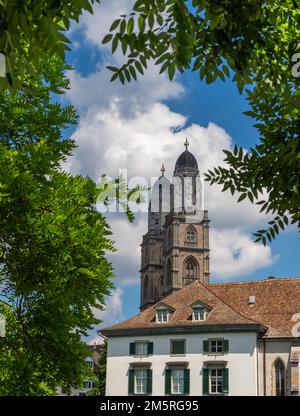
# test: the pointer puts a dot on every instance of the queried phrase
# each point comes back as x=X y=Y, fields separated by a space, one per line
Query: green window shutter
x=132 y=348
x=149 y=381
x=186 y=381
x=205 y=346
x=150 y=348
x=205 y=381
x=225 y=381
x=167 y=381
x=131 y=381
x=225 y=345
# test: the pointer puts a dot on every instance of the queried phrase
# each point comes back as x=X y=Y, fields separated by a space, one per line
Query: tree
x=53 y=242
x=256 y=43
x=100 y=382
x=31 y=31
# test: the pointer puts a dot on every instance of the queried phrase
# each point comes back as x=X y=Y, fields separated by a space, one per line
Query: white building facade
x=189 y=369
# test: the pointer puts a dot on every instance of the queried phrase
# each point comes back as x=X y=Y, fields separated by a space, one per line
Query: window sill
x=217 y=354
x=177 y=355
x=140 y=355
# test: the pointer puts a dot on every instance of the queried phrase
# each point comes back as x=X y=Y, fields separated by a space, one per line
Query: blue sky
x=131 y=127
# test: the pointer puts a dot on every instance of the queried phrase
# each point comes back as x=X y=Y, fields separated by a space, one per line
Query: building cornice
x=184 y=329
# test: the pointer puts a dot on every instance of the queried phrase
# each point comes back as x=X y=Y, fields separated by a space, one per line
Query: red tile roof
x=276 y=301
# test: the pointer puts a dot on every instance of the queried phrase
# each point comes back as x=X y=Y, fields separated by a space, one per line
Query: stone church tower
x=175 y=250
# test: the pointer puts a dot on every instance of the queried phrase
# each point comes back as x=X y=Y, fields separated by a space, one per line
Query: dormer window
x=200 y=311
x=198 y=314
x=163 y=313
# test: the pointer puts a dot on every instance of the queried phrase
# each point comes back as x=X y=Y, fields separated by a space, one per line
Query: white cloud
x=130 y=127
x=113 y=308
x=96 y=91
x=110 y=315
x=108 y=140
x=96 y=25
x=234 y=254
x=128 y=236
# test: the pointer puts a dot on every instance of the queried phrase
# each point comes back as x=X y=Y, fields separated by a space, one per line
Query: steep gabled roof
x=220 y=315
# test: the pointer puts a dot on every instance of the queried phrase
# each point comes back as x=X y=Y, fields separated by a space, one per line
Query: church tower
x=175 y=250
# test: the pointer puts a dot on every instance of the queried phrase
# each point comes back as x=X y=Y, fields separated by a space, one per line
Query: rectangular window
x=88 y=385
x=141 y=348
x=162 y=315
x=216 y=381
x=177 y=381
x=177 y=346
x=198 y=314
x=216 y=346
x=140 y=381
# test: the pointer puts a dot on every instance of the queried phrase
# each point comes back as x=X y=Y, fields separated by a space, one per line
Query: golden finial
x=162 y=169
x=186 y=143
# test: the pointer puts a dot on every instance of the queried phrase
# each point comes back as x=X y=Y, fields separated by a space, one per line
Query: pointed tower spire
x=186 y=143
x=162 y=169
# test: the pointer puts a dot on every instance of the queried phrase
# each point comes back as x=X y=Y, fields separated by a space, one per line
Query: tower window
x=189 y=271
x=190 y=268
x=191 y=235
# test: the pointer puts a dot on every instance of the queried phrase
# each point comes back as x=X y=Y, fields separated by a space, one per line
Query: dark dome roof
x=186 y=163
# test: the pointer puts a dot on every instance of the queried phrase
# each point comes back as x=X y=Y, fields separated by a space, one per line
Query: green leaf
x=123 y=26
x=171 y=70
x=133 y=72
x=139 y=67
x=242 y=197
x=107 y=38
x=130 y=26
x=114 y=25
x=114 y=44
x=141 y=23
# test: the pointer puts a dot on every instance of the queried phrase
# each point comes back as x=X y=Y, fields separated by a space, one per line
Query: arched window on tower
x=190 y=270
x=168 y=273
x=191 y=236
x=279 y=377
x=145 y=288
